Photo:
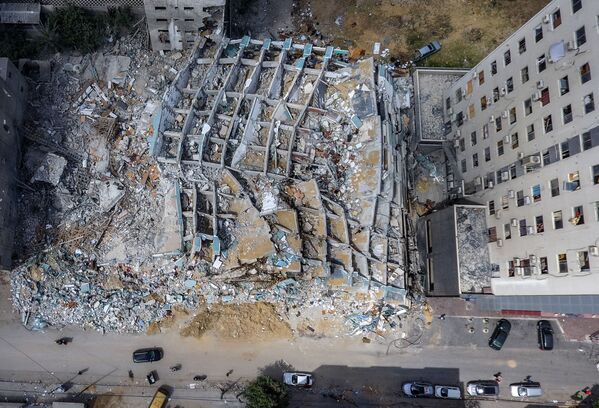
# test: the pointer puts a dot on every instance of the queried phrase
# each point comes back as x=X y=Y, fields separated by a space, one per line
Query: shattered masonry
x=277 y=162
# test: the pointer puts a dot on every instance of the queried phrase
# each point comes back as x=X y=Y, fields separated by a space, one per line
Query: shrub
x=265 y=392
x=77 y=28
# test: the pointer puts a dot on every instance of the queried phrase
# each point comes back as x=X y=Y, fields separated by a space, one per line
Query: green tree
x=77 y=28
x=264 y=392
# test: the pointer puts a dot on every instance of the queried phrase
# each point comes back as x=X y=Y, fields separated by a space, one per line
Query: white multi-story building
x=526 y=135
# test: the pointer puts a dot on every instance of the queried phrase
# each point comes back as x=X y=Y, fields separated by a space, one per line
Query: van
x=526 y=389
x=160 y=398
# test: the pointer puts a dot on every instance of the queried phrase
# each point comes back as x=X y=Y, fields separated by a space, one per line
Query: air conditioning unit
x=490 y=184
x=529 y=160
x=594 y=250
x=530 y=230
x=473 y=74
x=454 y=116
x=533 y=259
x=506 y=114
x=536 y=96
x=536 y=271
x=520 y=155
x=507 y=139
x=519 y=271
x=450 y=184
x=572 y=46
x=492 y=119
x=540 y=84
x=505 y=176
x=516 y=261
x=450 y=111
x=511 y=193
x=478 y=181
x=527 y=200
x=500 y=242
x=498 y=214
x=456 y=143
x=463 y=93
x=514 y=222
x=503 y=92
x=547 y=19
x=458 y=133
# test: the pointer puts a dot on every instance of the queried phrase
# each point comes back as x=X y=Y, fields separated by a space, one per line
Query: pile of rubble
x=246 y=171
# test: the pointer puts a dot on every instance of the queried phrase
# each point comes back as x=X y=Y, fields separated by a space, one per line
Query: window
x=509 y=84
x=564 y=85
x=523 y=229
x=462 y=144
x=491 y=207
x=577 y=215
x=562 y=263
x=520 y=198
x=515 y=141
x=597 y=210
x=583 y=261
x=548 y=124
x=595 y=174
x=492 y=234
x=527 y=107
x=485 y=131
x=589 y=103
x=487 y=154
x=565 y=149
x=507 y=58
x=471 y=111
x=495 y=94
x=576 y=5
x=505 y=202
x=159 y=8
x=507 y=231
x=585 y=73
x=587 y=141
x=554 y=186
x=538 y=33
x=460 y=118
x=500 y=148
x=524 y=75
x=545 y=98
x=498 y=125
x=567 y=114
x=522 y=46
x=448 y=103
x=581 y=36
x=473 y=138
x=483 y=103
x=540 y=227
x=512 y=171
x=469 y=87
x=475 y=160
x=558 y=222
x=556 y=19
x=481 y=77
x=510 y=268
x=573 y=182
x=458 y=95
x=493 y=67
x=541 y=63
x=513 y=117
x=530 y=132
x=544 y=267
x=464 y=166
x=536 y=193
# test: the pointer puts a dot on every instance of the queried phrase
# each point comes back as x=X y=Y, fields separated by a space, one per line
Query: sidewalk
x=575 y=328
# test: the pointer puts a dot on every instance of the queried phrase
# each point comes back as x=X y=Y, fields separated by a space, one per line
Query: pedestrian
x=498 y=377
x=442 y=317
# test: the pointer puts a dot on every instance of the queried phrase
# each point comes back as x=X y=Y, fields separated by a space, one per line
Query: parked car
x=298 y=379
x=526 y=389
x=160 y=398
x=418 y=389
x=499 y=336
x=428 y=50
x=545 y=334
x=447 y=391
x=147 y=355
x=483 y=388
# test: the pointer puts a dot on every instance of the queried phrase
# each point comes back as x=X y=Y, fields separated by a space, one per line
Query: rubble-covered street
x=236 y=172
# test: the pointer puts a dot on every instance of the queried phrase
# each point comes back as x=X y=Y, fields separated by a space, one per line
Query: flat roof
x=20 y=13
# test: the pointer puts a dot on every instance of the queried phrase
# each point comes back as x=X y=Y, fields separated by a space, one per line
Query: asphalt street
x=347 y=371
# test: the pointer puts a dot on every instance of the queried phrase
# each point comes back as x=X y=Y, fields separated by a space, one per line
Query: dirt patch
x=108 y=401
x=253 y=321
x=467 y=29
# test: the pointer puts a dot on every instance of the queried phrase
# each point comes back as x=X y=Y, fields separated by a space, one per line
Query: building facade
x=13 y=91
x=525 y=130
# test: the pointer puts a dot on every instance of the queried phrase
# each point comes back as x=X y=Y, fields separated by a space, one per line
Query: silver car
x=418 y=389
x=526 y=389
x=447 y=391
x=298 y=379
x=483 y=388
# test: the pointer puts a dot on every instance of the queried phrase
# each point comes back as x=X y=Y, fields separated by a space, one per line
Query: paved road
x=346 y=369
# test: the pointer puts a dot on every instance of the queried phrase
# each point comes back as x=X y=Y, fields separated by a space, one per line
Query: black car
x=499 y=336
x=545 y=334
x=147 y=355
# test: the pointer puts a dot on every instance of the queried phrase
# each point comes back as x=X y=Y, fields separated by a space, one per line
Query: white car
x=447 y=391
x=526 y=389
x=417 y=389
x=298 y=379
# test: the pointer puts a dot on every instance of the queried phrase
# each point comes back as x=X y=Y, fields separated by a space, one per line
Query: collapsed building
x=270 y=171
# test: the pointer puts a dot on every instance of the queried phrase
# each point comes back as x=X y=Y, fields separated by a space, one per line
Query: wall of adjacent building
x=561 y=153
